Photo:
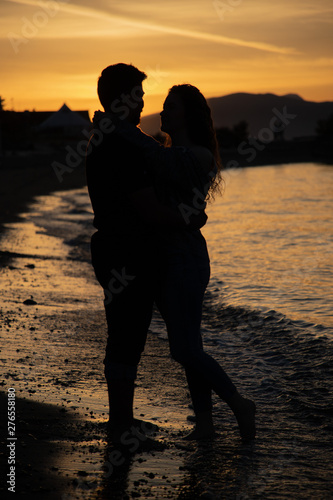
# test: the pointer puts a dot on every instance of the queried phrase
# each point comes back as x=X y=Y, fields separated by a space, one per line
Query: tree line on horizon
x=17 y=134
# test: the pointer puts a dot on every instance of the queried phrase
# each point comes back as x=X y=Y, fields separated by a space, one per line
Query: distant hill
x=258 y=111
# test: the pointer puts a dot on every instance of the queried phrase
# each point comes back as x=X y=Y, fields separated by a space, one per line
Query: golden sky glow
x=52 y=52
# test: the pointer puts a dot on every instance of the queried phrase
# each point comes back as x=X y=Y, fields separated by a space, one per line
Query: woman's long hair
x=200 y=128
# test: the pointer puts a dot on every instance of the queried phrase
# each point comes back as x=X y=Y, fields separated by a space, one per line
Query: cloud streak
x=157 y=27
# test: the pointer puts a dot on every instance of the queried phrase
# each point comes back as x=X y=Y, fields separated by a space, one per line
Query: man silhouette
x=126 y=213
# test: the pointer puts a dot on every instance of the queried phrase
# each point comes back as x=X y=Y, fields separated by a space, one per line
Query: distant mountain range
x=262 y=112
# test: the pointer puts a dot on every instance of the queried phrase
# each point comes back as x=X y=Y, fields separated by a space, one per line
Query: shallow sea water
x=270 y=239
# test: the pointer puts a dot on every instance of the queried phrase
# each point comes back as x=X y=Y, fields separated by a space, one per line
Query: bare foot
x=145 y=426
x=244 y=411
x=197 y=434
x=132 y=438
x=246 y=420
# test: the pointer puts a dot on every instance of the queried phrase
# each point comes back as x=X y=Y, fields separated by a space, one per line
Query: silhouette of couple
x=148 y=201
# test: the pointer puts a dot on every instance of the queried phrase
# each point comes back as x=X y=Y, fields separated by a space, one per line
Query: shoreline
x=53 y=358
x=254 y=153
x=52 y=355
x=52 y=318
x=54 y=361
x=29 y=174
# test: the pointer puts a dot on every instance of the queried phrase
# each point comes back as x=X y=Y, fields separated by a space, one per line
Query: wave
x=284 y=357
x=291 y=360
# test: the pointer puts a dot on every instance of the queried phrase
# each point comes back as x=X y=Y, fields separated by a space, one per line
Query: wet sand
x=24 y=175
x=53 y=335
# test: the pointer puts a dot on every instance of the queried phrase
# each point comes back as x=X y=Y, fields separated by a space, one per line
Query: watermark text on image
x=225 y=7
x=11 y=440
x=30 y=26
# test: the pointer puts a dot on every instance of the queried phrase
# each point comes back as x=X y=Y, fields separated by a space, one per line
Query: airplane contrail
x=63 y=6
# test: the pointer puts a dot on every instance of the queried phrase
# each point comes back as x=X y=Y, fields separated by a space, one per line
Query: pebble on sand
x=30 y=302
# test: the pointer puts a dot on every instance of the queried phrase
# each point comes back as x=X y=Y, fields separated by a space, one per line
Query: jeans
x=125 y=273
x=181 y=285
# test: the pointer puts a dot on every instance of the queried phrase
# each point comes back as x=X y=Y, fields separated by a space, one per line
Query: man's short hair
x=118 y=79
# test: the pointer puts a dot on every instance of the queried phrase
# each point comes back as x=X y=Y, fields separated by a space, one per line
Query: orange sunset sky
x=53 y=51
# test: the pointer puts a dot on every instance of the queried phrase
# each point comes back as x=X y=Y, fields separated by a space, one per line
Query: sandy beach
x=53 y=335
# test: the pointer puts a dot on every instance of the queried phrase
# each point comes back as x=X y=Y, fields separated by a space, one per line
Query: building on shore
x=40 y=130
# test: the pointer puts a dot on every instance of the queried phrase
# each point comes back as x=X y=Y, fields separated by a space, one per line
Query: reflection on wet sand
x=52 y=354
